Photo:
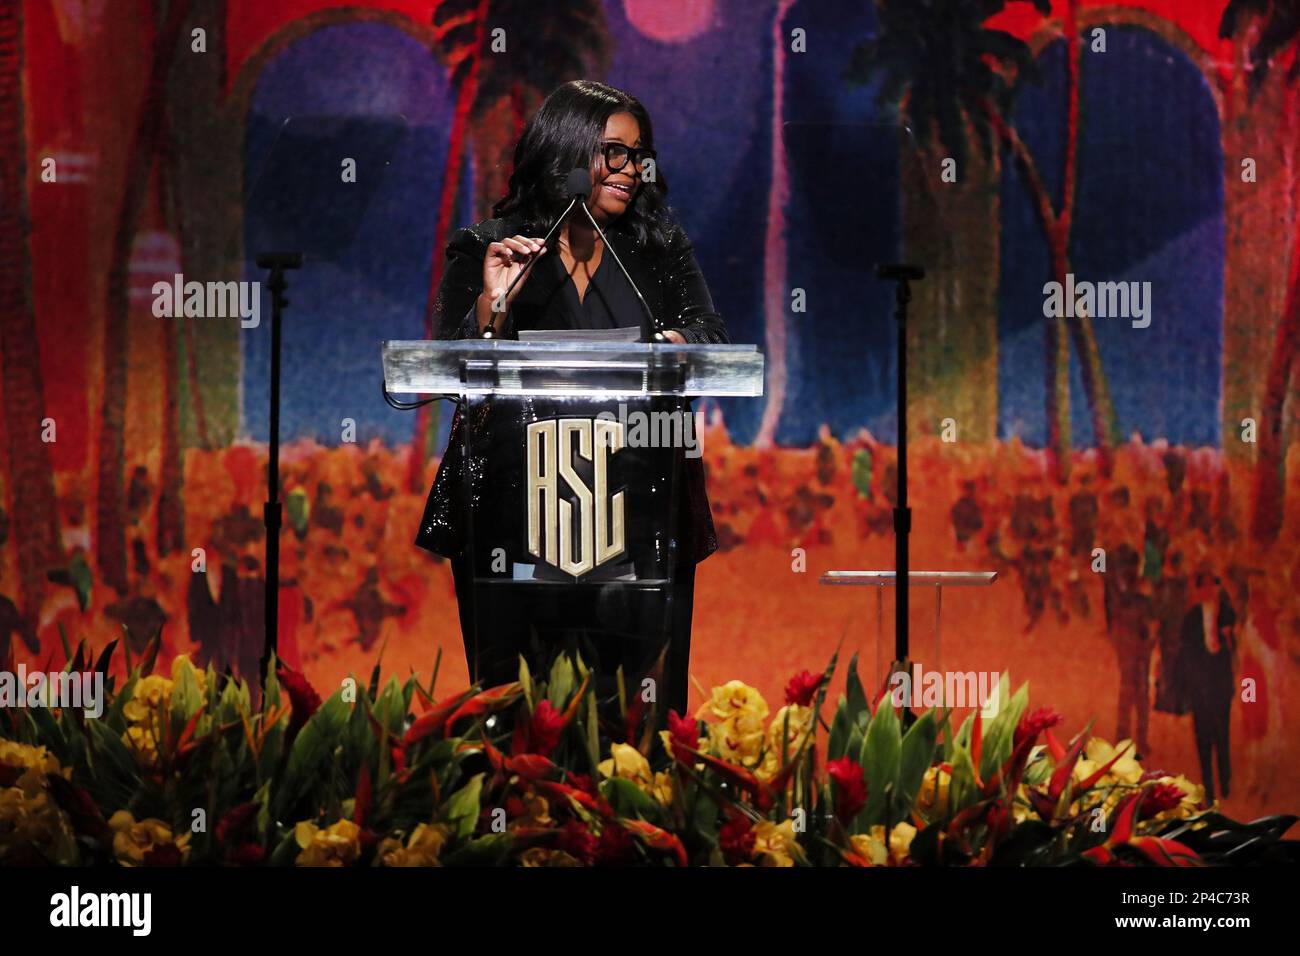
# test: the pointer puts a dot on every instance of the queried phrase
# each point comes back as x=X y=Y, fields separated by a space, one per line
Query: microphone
x=577 y=185
x=657 y=335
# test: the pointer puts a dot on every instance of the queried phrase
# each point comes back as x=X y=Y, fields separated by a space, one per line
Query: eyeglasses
x=617 y=156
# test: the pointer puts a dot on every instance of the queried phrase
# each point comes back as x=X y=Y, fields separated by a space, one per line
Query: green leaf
x=857 y=697
x=186 y=697
x=117 y=779
x=915 y=758
x=961 y=790
x=593 y=732
x=841 y=726
x=311 y=752
x=561 y=684
x=491 y=850
x=286 y=850
x=463 y=807
x=629 y=800
x=999 y=734
x=880 y=756
x=526 y=681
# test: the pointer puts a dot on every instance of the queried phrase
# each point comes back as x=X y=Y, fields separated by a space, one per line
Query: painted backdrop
x=1150 y=145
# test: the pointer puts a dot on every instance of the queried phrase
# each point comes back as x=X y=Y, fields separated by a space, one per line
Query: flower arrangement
x=185 y=770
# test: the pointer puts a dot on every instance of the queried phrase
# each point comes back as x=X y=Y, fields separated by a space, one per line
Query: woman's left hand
x=672 y=335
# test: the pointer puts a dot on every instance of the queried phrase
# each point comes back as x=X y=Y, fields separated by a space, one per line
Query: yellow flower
x=337 y=845
x=150 y=707
x=544 y=856
x=871 y=846
x=150 y=694
x=800 y=725
x=742 y=712
x=33 y=829
x=732 y=699
x=900 y=841
x=1099 y=752
x=30 y=758
x=630 y=764
x=1020 y=811
x=876 y=849
x=933 y=795
x=537 y=813
x=774 y=843
x=423 y=847
x=662 y=789
x=132 y=840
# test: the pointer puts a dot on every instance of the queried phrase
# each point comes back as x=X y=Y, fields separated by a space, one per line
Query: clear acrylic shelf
x=593 y=369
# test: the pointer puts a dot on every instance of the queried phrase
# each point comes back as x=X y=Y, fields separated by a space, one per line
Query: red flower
x=736 y=839
x=1161 y=797
x=850 y=788
x=578 y=841
x=998 y=820
x=235 y=822
x=581 y=781
x=683 y=733
x=165 y=854
x=1033 y=724
x=540 y=733
x=614 y=847
x=802 y=688
x=302 y=697
x=248 y=854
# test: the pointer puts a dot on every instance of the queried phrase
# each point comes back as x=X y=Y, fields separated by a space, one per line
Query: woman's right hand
x=503 y=263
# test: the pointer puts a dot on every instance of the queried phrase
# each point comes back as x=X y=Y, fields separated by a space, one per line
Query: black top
x=675 y=293
x=609 y=303
x=669 y=278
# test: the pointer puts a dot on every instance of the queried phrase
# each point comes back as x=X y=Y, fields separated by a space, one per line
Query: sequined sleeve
x=462 y=282
x=688 y=307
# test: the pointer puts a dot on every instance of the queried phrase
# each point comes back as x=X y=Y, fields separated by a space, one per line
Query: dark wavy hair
x=564 y=134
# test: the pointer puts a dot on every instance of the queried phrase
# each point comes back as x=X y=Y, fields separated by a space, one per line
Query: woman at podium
x=503 y=277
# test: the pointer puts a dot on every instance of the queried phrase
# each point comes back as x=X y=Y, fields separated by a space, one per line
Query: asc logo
x=574 y=537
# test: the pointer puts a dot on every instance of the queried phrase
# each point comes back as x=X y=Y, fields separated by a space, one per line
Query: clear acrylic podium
x=572 y=494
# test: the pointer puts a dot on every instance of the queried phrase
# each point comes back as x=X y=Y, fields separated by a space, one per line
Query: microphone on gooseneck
x=577 y=186
x=657 y=335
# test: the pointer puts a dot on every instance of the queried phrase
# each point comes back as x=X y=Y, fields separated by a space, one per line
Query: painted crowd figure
x=1205 y=667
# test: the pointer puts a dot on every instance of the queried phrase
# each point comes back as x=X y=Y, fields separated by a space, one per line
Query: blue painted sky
x=1150 y=208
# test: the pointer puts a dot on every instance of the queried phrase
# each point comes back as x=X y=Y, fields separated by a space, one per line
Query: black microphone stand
x=278 y=263
x=902 y=274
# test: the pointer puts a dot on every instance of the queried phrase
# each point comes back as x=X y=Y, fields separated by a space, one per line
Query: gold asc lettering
x=554 y=536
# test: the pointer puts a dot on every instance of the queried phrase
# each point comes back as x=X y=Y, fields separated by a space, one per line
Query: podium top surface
x=598 y=368
x=883 y=579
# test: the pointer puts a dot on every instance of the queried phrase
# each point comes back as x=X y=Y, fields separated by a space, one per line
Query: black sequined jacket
x=678 y=298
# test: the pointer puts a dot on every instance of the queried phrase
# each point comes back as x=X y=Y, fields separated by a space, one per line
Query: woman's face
x=612 y=191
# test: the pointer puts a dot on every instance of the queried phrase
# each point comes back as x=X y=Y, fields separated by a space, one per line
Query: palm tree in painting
x=28 y=470
x=110 y=503
x=544 y=47
x=198 y=148
x=1278 y=32
x=774 y=247
x=954 y=75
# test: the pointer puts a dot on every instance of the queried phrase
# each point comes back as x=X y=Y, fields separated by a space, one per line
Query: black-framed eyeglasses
x=617 y=155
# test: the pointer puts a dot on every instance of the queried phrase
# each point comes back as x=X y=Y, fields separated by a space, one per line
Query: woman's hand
x=672 y=335
x=503 y=263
